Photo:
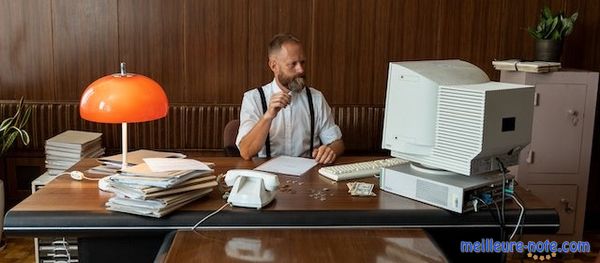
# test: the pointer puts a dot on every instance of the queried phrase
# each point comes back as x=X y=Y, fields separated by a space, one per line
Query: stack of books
x=138 y=190
x=526 y=66
x=67 y=148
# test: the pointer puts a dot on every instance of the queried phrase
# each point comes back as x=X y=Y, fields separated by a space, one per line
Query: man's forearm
x=337 y=147
x=251 y=144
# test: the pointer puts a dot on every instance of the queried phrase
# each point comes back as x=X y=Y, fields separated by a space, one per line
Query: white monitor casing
x=448 y=115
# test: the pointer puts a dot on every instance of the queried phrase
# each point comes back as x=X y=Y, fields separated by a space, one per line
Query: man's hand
x=324 y=154
x=276 y=103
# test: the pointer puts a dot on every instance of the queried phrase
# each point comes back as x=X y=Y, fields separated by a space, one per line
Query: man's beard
x=297 y=84
x=292 y=83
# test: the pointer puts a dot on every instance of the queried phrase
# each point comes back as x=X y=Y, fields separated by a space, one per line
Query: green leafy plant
x=12 y=127
x=554 y=27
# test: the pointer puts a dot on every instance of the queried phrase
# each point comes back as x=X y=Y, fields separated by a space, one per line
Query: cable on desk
x=77 y=175
x=504 y=172
x=490 y=209
x=502 y=225
x=523 y=220
x=208 y=216
x=520 y=216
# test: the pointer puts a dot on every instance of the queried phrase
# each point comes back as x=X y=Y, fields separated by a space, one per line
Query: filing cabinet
x=556 y=165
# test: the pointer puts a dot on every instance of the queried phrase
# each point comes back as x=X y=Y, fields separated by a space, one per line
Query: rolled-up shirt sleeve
x=330 y=132
x=250 y=114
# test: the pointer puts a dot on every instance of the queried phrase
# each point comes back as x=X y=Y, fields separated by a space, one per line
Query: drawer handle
x=574 y=116
x=568 y=209
x=530 y=156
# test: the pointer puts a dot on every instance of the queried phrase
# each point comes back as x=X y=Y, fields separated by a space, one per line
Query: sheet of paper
x=171 y=164
x=287 y=165
x=136 y=157
x=144 y=170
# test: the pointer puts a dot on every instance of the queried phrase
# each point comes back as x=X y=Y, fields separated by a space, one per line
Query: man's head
x=286 y=60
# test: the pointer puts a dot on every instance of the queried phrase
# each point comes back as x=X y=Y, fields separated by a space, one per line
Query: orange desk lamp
x=123 y=98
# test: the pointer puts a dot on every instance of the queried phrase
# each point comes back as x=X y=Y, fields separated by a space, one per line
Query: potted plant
x=550 y=33
x=10 y=129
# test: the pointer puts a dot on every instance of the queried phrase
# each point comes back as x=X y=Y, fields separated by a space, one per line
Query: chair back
x=229 y=134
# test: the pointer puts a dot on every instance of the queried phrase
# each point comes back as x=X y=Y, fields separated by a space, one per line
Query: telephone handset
x=251 y=188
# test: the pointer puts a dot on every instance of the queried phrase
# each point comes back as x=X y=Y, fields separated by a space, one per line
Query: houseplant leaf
x=550 y=26
x=6 y=124
x=7 y=142
x=546 y=12
x=12 y=127
x=550 y=23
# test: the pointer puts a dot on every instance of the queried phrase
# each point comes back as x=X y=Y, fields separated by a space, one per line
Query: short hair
x=278 y=41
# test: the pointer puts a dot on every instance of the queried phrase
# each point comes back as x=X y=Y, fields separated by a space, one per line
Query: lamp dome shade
x=123 y=98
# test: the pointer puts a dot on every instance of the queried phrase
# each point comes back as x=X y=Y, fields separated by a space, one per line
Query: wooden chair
x=229 y=134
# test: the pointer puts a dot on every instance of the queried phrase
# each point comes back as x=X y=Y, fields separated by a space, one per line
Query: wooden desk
x=296 y=245
x=76 y=208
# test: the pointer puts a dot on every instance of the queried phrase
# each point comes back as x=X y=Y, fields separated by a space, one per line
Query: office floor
x=20 y=250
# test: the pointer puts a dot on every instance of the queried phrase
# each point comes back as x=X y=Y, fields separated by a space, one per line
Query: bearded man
x=285 y=117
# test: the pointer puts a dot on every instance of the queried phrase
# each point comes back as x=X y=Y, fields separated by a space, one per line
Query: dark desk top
x=77 y=208
x=301 y=245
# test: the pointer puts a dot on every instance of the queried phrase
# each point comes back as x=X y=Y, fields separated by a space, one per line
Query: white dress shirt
x=290 y=129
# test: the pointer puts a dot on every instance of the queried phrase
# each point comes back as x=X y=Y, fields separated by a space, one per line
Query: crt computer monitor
x=448 y=115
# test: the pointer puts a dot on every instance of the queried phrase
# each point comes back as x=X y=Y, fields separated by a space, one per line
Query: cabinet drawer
x=563 y=198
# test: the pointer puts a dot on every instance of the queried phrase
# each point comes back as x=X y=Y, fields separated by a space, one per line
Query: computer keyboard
x=358 y=170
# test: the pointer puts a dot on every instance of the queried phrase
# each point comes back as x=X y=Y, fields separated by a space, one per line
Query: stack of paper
x=67 y=148
x=159 y=186
x=526 y=66
x=111 y=164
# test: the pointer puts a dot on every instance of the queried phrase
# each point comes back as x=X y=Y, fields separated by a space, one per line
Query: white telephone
x=251 y=188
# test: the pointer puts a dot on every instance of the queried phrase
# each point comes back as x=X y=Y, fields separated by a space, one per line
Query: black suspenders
x=312 y=118
x=263 y=101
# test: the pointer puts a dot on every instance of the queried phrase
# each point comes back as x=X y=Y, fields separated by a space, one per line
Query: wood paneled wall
x=211 y=51
x=186 y=128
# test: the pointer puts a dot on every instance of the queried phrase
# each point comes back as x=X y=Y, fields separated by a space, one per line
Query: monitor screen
x=447 y=114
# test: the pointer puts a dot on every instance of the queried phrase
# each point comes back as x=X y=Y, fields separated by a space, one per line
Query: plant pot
x=548 y=50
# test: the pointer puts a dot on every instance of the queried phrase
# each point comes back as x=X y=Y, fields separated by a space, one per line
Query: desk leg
x=120 y=249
